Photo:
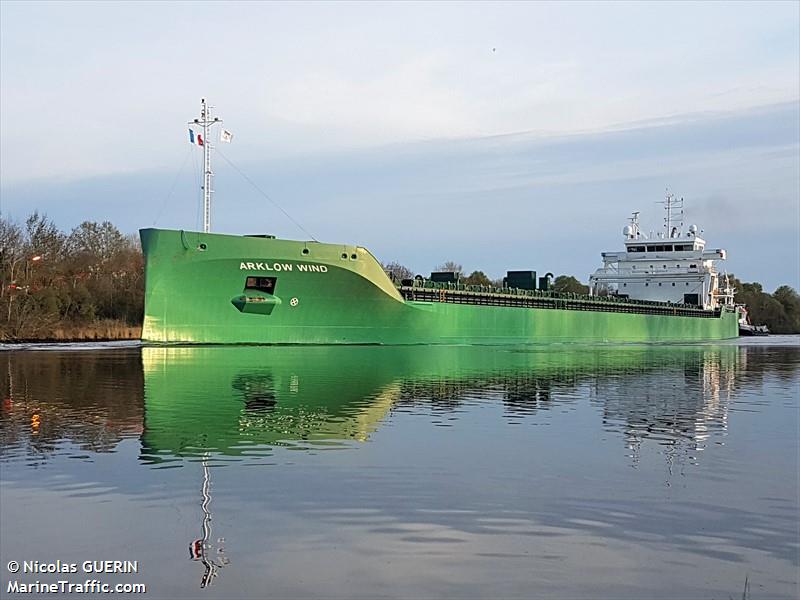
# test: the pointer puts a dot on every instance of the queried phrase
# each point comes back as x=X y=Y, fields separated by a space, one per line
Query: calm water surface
x=364 y=472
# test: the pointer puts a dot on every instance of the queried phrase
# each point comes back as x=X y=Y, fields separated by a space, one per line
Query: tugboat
x=746 y=327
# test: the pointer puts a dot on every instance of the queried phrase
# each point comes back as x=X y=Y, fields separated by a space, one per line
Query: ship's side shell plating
x=214 y=288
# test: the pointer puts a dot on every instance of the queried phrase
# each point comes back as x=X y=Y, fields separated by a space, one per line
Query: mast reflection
x=202 y=549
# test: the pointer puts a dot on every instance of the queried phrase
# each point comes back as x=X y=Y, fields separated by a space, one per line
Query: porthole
x=202 y=247
x=673 y=284
x=353 y=256
x=344 y=255
x=305 y=250
x=659 y=285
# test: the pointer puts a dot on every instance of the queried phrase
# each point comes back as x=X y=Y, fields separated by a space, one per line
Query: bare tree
x=398 y=272
x=450 y=267
x=11 y=251
x=100 y=241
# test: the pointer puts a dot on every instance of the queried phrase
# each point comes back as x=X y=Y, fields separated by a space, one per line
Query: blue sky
x=503 y=135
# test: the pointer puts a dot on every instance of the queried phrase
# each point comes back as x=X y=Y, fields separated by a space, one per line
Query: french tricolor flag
x=195 y=138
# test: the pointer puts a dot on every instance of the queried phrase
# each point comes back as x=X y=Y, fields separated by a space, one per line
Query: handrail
x=510 y=297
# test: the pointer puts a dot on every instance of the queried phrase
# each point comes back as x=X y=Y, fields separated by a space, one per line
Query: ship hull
x=196 y=291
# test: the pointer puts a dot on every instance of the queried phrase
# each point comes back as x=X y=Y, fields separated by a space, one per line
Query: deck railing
x=457 y=293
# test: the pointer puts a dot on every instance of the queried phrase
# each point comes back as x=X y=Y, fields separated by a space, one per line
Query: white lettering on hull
x=276 y=266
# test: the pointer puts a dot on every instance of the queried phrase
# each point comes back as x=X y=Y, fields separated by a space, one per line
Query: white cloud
x=89 y=89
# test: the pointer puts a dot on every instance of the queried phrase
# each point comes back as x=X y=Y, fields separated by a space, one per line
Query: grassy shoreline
x=102 y=331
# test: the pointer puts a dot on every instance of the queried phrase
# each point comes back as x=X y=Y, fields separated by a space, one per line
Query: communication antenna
x=673 y=221
x=205 y=121
x=635 y=224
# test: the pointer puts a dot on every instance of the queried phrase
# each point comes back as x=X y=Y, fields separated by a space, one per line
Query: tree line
x=779 y=311
x=75 y=282
x=93 y=277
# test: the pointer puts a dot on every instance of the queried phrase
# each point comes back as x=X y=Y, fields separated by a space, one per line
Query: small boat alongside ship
x=746 y=327
x=203 y=287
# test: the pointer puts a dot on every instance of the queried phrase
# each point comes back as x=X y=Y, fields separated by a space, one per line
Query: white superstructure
x=670 y=266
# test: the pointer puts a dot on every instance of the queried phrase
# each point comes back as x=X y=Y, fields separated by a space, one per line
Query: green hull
x=339 y=294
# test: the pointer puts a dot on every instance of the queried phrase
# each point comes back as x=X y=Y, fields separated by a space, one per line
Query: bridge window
x=636 y=248
x=262 y=284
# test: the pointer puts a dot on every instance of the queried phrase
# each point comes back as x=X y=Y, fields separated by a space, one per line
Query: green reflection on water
x=231 y=401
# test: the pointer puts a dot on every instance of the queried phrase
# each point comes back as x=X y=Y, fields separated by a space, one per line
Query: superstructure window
x=262 y=284
x=636 y=248
x=651 y=248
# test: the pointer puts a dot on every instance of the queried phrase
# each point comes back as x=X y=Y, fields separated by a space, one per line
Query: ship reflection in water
x=244 y=402
x=494 y=470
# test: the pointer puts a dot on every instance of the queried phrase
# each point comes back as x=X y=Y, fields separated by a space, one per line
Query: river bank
x=100 y=331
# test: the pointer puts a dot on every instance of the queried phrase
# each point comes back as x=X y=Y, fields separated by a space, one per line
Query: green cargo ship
x=203 y=287
x=213 y=288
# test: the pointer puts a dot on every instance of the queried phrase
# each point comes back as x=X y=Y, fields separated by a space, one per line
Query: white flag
x=225 y=136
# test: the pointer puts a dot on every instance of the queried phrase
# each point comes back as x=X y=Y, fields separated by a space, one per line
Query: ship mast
x=671 y=203
x=206 y=121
